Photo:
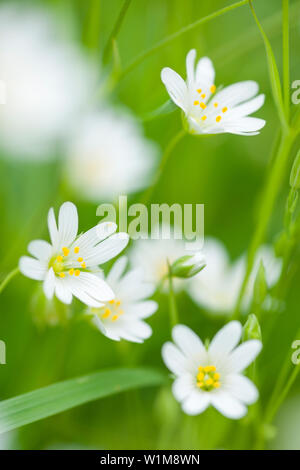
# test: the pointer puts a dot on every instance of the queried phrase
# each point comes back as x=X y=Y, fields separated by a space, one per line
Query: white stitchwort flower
x=212 y=376
x=68 y=265
x=216 y=288
x=107 y=155
x=123 y=316
x=210 y=110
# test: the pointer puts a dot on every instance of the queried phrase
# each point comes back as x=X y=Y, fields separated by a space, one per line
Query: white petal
x=244 y=125
x=236 y=93
x=40 y=249
x=226 y=339
x=190 y=66
x=139 y=329
x=77 y=290
x=94 y=286
x=205 y=72
x=228 y=405
x=52 y=227
x=107 y=249
x=32 y=268
x=62 y=292
x=189 y=343
x=243 y=388
x=49 y=284
x=67 y=223
x=196 y=403
x=96 y=234
x=247 y=108
x=182 y=387
x=142 y=309
x=176 y=87
x=173 y=358
x=242 y=356
x=117 y=270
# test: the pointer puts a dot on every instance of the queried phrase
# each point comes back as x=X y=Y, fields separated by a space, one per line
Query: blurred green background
x=224 y=172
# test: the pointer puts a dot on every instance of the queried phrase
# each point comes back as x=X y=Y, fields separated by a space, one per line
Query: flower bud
x=295 y=173
x=260 y=286
x=251 y=329
x=188 y=266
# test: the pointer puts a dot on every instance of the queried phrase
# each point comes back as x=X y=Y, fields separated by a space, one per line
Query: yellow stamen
x=209 y=382
x=106 y=313
x=59 y=258
x=65 y=251
x=77 y=272
x=213 y=368
x=200 y=368
x=213 y=88
x=202 y=105
x=200 y=384
x=121 y=312
x=76 y=249
x=196 y=103
x=207 y=369
x=199 y=90
x=61 y=275
x=83 y=265
x=215 y=105
x=217 y=384
x=200 y=376
x=224 y=109
x=71 y=272
x=118 y=303
x=204 y=118
x=111 y=302
x=203 y=95
x=79 y=259
x=114 y=318
x=216 y=376
x=218 y=118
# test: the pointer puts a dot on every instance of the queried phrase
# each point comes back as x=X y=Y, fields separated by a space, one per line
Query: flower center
x=208 y=378
x=111 y=311
x=198 y=102
x=63 y=264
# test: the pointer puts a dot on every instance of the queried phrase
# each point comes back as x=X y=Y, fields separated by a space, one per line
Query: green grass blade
x=48 y=401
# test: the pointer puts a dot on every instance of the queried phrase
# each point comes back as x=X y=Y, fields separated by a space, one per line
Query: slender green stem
x=92 y=30
x=286 y=57
x=269 y=197
x=8 y=278
x=164 y=42
x=172 y=302
x=171 y=145
x=116 y=29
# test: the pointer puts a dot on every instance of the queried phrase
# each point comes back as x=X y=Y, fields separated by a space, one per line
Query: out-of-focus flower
x=216 y=288
x=209 y=110
x=108 y=155
x=188 y=266
x=212 y=376
x=153 y=256
x=65 y=265
x=47 y=83
x=123 y=316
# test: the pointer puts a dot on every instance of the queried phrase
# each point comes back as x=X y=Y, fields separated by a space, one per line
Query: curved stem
x=8 y=278
x=116 y=29
x=171 y=145
x=268 y=200
x=286 y=57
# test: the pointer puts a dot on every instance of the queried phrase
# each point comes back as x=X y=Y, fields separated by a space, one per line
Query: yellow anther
x=203 y=95
x=114 y=318
x=196 y=103
x=121 y=312
x=218 y=118
x=213 y=368
x=213 y=88
x=71 y=272
x=59 y=258
x=200 y=376
x=79 y=259
x=199 y=90
x=200 y=368
x=77 y=272
x=207 y=369
x=65 y=251
x=204 y=118
x=118 y=303
x=199 y=384
x=216 y=105
x=106 y=313
x=209 y=382
x=216 y=376
x=217 y=384
x=202 y=105
x=76 y=249
x=111 y=302
x=224 y=109
x=83 y=265
x=61 y=275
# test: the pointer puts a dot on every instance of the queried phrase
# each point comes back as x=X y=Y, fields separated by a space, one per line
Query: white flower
x=212 y=376
x=47 y=82
x=217 y=287
x=123 y=316
x=64 y=265
x=209 y=110
x=107 y=155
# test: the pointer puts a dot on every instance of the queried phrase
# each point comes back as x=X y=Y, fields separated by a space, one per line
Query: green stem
x=8 y=278
x=172 y=302
x=171 y=145
x=269 y=197
x=286 y=57
x=116 y=29
x=92 y=29
x=164 y=42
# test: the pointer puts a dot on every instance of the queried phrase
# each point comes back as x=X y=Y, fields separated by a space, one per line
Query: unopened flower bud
x=188 y=266
x=251 y=329
x=260 y=286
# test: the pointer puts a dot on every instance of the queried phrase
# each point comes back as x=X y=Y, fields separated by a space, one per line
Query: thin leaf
x=48 y=401
x=166 y=108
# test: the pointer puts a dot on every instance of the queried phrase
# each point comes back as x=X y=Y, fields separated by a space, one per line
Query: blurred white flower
x=47 y=83
x=108 y=155
x=209 y=110
x=212 y=376
x=64 y=265
x=216 y=288
x=123 y=316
